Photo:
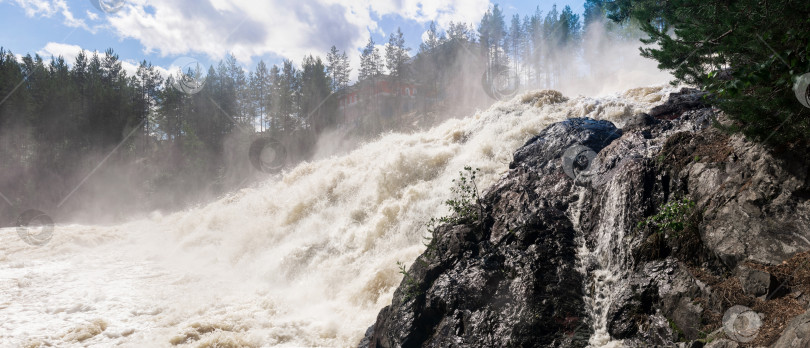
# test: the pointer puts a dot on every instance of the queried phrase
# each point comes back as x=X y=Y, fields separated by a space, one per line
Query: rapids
x=305 y=258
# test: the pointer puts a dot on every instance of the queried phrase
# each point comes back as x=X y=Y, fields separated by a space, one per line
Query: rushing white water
x=305 y=259
x=607 y=262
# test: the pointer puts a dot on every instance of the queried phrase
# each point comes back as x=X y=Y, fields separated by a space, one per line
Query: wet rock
x=546 y=148
x=654 y=331
x=687 y=318
x=637 y=300
x=678 y=103
x=512 y=279
x=662 y=286
x=366 y=338
x=639 y=121
x=693 y=344
x=509 y=279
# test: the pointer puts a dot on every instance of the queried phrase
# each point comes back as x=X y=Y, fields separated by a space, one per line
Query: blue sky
x=161 y=31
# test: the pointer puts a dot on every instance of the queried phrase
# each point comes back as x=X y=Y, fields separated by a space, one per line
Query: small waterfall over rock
x=604 y=264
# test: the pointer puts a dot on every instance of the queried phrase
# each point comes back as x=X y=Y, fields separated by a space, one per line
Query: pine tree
x=238 y=80
x=371 y=66
x=459 y=32
x=748 y=54
x=492 y=32
x=316 y=97
x=338 y=69
x=288 y=97
x=396 y=55
x=148 y=81
x=534 y=44
x=432 y=41
x=594 y=12
x=371 y=63
x=570 y=27
x=274 y=115
x=261 y=87
x=552 y=41
x=516 y=40
x=345 y=71
x=333 y=66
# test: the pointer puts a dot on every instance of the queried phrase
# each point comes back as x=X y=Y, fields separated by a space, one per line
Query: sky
x=165 y=32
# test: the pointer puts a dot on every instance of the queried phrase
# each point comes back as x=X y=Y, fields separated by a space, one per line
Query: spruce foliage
x=748 y=54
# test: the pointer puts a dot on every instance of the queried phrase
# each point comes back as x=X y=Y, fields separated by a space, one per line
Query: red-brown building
x=377 y=98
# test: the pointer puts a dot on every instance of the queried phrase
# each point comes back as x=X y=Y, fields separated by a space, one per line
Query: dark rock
x=756 y=282
x=663 y=285
x=548 y=147
x=726 y=74
x=687 y=316
x=638 y=299
x=639 y=121
x=511 y=279
x=678 y=103
x=366 y=341
x=655 y=331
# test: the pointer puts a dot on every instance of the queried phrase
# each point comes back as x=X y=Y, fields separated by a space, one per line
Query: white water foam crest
x=305 y=260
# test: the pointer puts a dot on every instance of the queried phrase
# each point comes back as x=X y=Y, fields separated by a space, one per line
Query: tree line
x=87 y=138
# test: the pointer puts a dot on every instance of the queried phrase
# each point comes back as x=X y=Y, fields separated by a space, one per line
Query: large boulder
x=509 y=279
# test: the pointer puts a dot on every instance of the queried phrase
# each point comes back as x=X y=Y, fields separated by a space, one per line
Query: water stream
x=307 y=258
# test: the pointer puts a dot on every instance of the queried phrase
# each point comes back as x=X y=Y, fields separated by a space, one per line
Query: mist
x=606 y=61
x=268 y=207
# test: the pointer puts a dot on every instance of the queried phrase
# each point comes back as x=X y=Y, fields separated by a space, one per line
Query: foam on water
x=307 y=259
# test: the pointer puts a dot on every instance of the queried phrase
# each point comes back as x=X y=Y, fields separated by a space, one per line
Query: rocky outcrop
x=756 y=205
x=523 y=273
x=509 y=279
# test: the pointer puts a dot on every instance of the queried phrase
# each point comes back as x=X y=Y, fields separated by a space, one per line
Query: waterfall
x=306 y=258
x=604 y=264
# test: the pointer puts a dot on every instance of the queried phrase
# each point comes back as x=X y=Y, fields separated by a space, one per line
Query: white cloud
x=443 y=12
x=33 y=8
x=92 y=15
x=70 y=52
x=250 y=28
x=48 y=8
x=290 y=29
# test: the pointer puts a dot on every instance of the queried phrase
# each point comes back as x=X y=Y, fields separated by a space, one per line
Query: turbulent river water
x=306 y=258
